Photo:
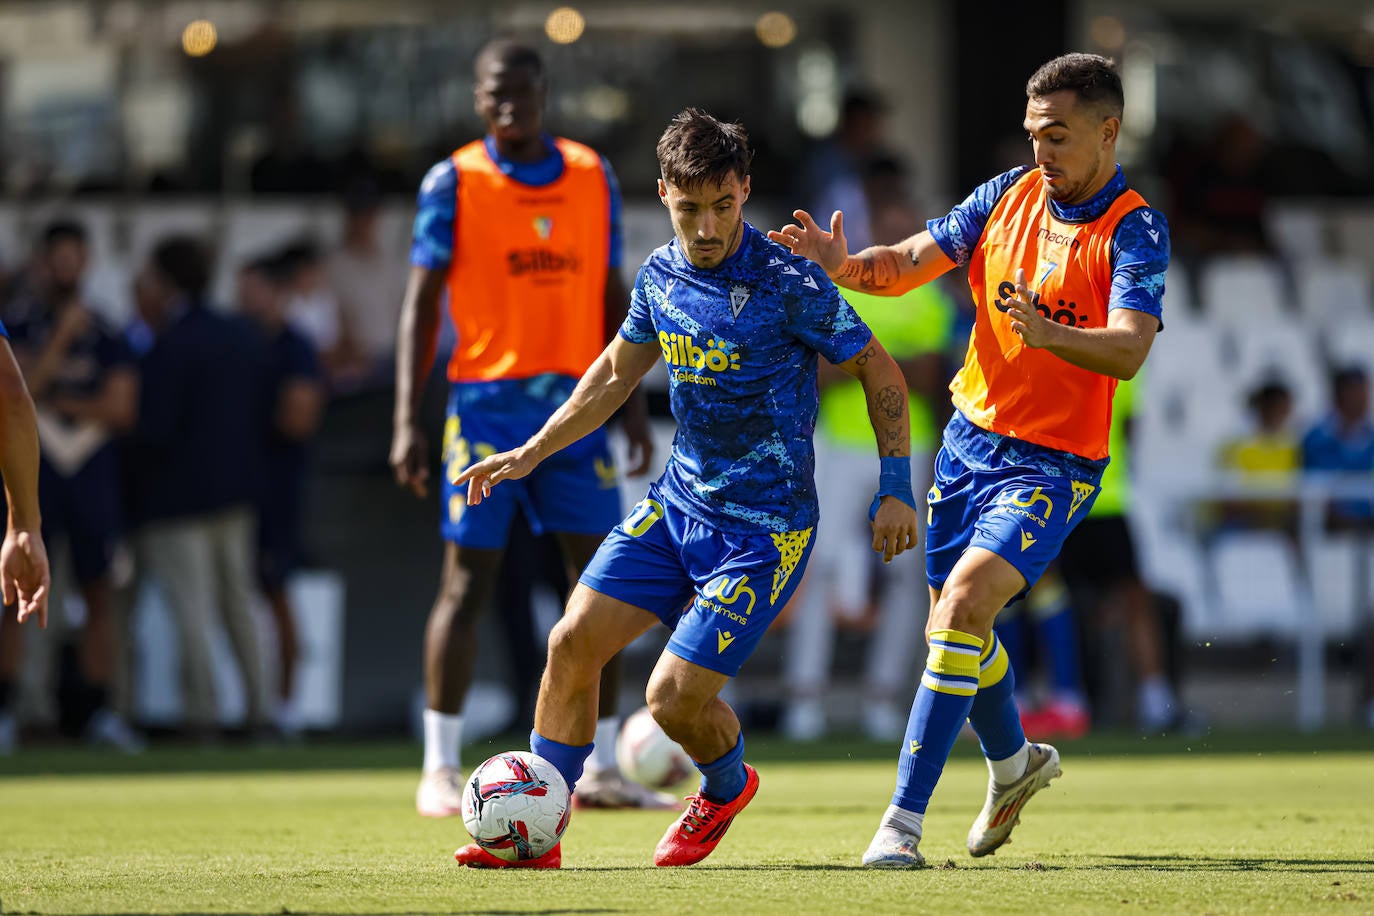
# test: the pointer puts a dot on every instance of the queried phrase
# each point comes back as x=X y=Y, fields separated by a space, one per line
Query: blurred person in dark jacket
x=197 y=470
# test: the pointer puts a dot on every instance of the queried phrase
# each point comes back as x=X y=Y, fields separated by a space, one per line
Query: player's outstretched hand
x=895 y=528
x=24 y=573
x=488 y=472
x=806 y=238
x=1034 y=329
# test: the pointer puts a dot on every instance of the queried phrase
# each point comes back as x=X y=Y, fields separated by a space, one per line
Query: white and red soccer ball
x=647 y=755
x=516 y=806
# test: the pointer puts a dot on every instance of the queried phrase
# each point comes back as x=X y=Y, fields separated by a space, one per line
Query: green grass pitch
x=1239 y=824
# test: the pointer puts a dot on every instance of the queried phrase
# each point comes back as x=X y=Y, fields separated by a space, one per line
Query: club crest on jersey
x=739 y=296
x=543 y=227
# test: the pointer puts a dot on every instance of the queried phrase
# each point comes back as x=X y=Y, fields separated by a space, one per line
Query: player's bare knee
x=671 y=709
x=574 y=653
x=964 y=610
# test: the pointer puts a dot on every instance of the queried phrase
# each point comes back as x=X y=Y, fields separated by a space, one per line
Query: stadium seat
x=1285 y=347
x=1168 y=553
x=1298 y=229
x=1259 y=586
x=1355 y=233
x=1329 y=290
x=1332 y=564
x=1177 y=430
x=1350 y=341
x=1240 y=289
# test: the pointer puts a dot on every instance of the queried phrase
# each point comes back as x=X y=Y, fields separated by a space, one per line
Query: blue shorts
x=574 y=490
x=1014 y=498
x=718 y=591
x=87 y=509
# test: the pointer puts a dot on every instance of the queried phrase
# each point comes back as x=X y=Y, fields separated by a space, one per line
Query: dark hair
x=696 y=149
x=511 y=53
x=296 y=256
x=1092 y=76
x=184 y=261
x=64 y=230
x=1346 y=375
x=1268 y=391
x=273 y=267
x=861 y=100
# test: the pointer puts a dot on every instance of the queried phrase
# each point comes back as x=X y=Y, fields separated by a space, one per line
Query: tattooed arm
x=885 y=391
x=896 y=527
x=888 y=270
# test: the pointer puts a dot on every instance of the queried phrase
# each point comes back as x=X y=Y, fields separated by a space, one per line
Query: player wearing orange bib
x=522 y=230
x=1066 y=266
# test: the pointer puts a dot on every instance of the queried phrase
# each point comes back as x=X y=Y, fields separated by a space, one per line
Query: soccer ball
x=516 y=806
x=648 y=756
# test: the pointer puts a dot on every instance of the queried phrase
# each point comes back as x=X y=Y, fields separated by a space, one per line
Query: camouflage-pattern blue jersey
x=740 y=341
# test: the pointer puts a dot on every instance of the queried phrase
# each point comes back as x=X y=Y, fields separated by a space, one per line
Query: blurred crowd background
x=269 y=153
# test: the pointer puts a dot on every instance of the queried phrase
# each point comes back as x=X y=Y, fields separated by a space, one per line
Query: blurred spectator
x=1099 y=564
x=365 y=279
x=840 y=580
x=1221 y=192
x=1269 y=452
x=1047 y=617
x=294 y=397
x=833 y=174
x=1343 y=442
x=85 y=389
x=197 y=458
x=312 y=307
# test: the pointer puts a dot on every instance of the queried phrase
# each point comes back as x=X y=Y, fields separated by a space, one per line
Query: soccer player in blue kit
x=720 y=542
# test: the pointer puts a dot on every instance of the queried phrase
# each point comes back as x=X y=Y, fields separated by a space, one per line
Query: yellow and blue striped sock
x=994 y=715
x=942 y=703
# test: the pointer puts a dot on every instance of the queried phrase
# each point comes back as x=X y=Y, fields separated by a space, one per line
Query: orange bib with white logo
x=527 y=281
x=1031 y=394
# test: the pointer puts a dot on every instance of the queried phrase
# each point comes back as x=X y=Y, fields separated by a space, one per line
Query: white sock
x=443 y=740
x=603 y=749
x=1156 y=701
x=903 y=820
x=1011 y=769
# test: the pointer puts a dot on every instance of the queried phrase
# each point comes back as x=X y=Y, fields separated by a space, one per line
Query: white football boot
x=893 y=848
x=1002 y=810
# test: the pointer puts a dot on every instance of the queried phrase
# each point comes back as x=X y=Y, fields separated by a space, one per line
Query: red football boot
x=474 y=856
x=702 y=825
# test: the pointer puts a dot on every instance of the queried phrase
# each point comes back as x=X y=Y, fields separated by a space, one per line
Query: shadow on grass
x=1232 y=863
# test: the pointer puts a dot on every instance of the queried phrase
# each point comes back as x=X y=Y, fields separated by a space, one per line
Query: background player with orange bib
x=522 y=230
x=1066 y=266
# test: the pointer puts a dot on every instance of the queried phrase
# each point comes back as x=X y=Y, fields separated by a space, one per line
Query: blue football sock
x=1012 y=633
x=723 y=779
x=937 y=714
x=1059 y=634
x=566 y=758
x=994 y=715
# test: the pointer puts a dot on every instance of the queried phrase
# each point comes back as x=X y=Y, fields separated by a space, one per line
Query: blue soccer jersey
x=740 y=341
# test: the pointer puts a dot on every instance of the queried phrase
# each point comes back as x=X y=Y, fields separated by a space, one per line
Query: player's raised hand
x=806 y=238
x=1034 y=329
x=488 y=472
x=24 y=574
x=896 y=528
